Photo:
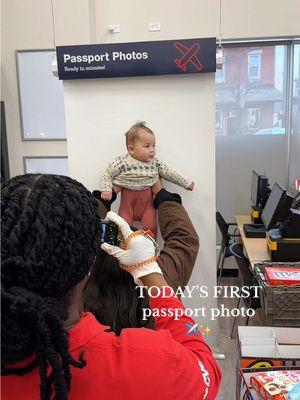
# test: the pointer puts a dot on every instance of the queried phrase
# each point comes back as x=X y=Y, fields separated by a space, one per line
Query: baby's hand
x=106 y=196
x=191 y=187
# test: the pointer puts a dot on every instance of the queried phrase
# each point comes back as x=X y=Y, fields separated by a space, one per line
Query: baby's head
x=140 y=142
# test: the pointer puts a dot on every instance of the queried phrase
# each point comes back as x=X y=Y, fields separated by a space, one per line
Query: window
x=260 y=107
x=251 y=105
x=253 y=118
x=254 y=64
x=218 y=121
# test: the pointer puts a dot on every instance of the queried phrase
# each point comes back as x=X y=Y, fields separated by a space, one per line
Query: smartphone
x=110 y=232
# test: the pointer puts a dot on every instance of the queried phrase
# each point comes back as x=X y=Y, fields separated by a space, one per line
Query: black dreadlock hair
x=50 y=235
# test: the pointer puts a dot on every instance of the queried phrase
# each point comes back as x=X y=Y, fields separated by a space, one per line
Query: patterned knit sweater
x=133 y=174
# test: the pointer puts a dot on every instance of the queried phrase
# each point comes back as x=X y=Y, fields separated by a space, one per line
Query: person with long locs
x=51 y=233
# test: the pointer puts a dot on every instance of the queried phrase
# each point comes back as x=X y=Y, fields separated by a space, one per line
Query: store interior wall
x=29 y=25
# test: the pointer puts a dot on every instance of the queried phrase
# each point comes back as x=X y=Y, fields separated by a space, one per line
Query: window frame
x=258 y=76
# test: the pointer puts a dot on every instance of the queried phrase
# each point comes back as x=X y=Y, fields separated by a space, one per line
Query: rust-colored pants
x=136 y=205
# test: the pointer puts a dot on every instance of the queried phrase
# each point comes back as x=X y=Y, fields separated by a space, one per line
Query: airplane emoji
x=189 y=55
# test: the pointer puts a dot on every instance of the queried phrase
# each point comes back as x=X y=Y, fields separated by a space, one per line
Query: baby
x=135 y=173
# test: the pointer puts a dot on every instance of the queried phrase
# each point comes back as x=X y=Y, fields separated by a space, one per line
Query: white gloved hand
x=139 y=249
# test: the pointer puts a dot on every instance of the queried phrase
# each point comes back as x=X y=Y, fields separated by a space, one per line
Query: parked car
x=271 y=131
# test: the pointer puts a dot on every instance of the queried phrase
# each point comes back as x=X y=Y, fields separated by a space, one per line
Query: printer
x=284 y=242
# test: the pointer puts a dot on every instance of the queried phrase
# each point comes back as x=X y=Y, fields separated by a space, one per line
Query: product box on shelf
x=260 y=346
x=260 y=349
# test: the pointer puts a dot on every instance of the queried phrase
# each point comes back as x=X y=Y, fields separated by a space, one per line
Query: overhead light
x=54 y=68
x=219 y=54
x=219 y=57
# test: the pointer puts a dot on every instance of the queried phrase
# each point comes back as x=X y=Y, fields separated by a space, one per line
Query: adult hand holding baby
x=157 y=187
x=106 y=196
x=191 y=187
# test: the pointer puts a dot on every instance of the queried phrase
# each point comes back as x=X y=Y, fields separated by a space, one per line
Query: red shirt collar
x=85 y=330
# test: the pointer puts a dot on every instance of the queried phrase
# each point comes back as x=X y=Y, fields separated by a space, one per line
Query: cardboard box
x=265 y=347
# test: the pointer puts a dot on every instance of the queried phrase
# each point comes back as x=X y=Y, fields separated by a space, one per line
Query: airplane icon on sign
x=189 y=55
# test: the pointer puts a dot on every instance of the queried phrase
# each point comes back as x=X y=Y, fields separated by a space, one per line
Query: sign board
x=165 y=57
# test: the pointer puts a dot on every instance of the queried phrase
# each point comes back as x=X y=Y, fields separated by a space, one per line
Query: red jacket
x=166 y=364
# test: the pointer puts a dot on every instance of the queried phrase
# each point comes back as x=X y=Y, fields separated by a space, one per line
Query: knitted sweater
x=133 y=174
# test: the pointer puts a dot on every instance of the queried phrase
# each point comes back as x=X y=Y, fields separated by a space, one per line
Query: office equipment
x=296 y=201
x=277 y=206
x=290 y=228
x=255 y=249
x=225 y=243
x=255 y=230
x=259 y=196
x=283 y=249
x=284 y=242
x=276 y=210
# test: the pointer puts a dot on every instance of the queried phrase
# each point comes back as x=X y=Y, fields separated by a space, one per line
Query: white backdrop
x=180 y=110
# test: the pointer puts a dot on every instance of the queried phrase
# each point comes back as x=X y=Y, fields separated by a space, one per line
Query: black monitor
x=259 y=189
x=277 y=207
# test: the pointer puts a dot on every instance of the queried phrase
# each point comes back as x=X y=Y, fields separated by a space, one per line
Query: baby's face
x=144 y=147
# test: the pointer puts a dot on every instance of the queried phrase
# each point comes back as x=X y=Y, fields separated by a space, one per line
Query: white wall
x=180 y=110
x=260 y=18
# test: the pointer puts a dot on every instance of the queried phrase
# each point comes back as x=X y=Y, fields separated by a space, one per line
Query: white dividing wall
x=181 y=112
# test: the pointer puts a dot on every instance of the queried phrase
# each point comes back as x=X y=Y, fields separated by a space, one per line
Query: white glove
x=139 y=249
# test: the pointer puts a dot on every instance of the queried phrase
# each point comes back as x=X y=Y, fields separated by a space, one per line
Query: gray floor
x=228 y=346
